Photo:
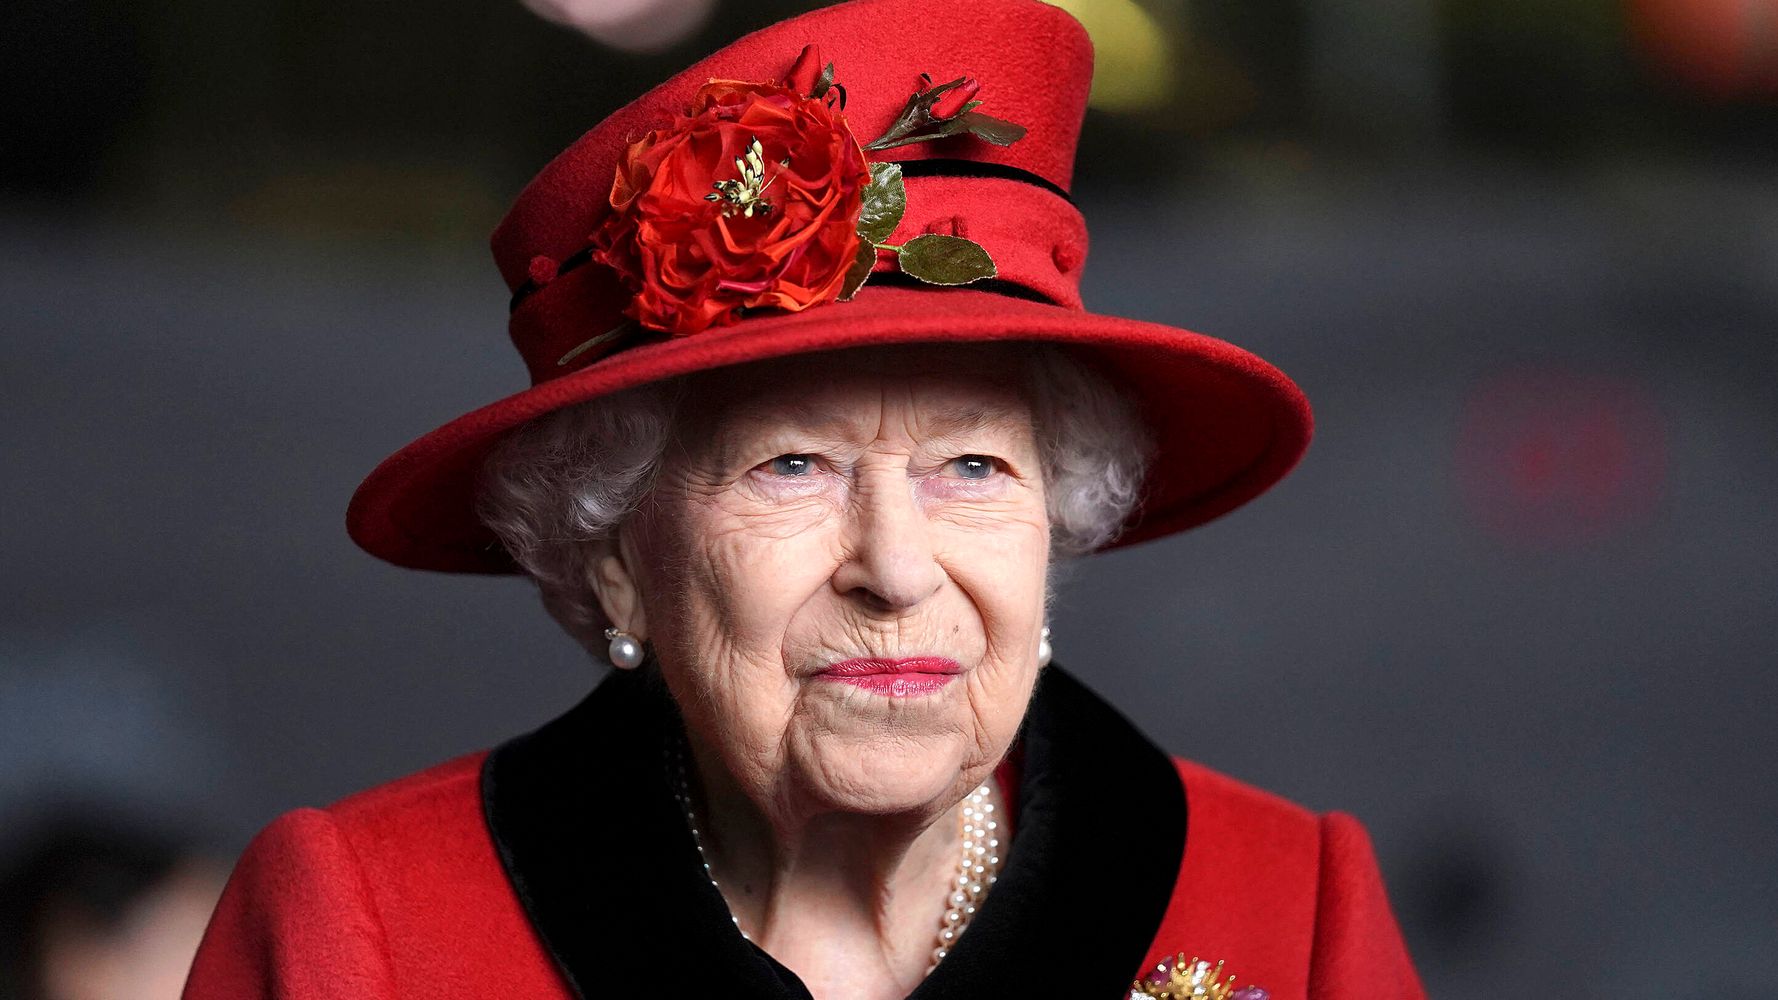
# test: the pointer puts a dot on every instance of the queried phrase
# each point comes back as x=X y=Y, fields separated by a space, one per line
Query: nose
x=890 y=564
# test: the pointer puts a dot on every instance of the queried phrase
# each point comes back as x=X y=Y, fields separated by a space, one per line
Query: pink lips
x=897 y=678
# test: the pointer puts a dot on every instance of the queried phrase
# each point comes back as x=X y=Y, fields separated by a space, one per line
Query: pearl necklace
x=978 y=867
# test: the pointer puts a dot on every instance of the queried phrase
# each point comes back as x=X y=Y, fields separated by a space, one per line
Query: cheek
x=728 y=588
x=1000 y=560
x=762 y=580
x=1002 y=575
x=742 y=578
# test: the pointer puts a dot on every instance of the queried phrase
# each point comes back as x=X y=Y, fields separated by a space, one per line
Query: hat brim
x=1227 y=424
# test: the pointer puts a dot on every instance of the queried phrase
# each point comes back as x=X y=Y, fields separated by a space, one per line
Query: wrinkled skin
x=810 y=510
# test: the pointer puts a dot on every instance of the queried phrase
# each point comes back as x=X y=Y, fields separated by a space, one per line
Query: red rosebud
x=950 y=103
x=805 y=71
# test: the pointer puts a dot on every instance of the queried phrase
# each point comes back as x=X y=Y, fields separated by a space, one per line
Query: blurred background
x=1517 y=610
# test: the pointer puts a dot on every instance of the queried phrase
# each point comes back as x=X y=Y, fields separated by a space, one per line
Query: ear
x=617 y=586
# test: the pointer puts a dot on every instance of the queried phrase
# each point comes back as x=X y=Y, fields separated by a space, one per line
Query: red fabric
x=1358 y=949
x=1290 y=900
x=393 y=892
x=1228 y=425
x=397 y=892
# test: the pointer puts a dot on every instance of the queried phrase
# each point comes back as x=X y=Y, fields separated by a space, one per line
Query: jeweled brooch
x=1177 y=979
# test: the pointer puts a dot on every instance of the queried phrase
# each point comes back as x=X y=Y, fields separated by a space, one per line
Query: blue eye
x=792 y=465
x=974 y=466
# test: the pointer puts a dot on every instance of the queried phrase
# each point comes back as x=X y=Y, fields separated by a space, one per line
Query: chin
x=882 y=780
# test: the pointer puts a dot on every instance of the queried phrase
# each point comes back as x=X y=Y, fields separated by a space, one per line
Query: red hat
x=728 y=214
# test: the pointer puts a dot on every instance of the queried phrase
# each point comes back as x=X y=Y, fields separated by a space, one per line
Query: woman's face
x=842 y=570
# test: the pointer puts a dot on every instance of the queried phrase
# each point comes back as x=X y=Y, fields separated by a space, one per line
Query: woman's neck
x=851 y=903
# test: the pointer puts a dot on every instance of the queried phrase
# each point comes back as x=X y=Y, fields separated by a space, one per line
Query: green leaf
x=885 y=198
x=915 y=115
x=946 y=260
x=994 y=130
x=862 y=262
x=626 y=327
x=822 y=82
x=907 y=119
x=928 y=132
x=986 y=127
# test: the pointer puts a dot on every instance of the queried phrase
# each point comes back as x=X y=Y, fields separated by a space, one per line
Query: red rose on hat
x=751 y=199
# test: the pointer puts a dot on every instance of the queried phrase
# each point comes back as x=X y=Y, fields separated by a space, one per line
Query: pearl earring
x=625 y=653
x=1044 y=652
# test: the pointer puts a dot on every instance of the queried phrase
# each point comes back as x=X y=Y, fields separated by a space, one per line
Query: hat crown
x=1033 y=60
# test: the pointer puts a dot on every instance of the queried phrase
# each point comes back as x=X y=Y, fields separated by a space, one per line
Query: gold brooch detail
x=1179 y=979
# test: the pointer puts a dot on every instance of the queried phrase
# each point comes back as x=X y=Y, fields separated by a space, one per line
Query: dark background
x=1516 y=610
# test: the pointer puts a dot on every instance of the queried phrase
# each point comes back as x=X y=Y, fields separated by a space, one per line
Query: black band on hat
x=940 y=167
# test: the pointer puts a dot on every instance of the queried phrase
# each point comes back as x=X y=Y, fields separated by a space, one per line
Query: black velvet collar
x=583 y=815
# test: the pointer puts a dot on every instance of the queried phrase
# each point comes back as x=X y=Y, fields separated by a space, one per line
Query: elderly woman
x=812 y=418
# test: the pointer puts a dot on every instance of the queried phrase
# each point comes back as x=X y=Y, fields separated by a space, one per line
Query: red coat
x=558 y=866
